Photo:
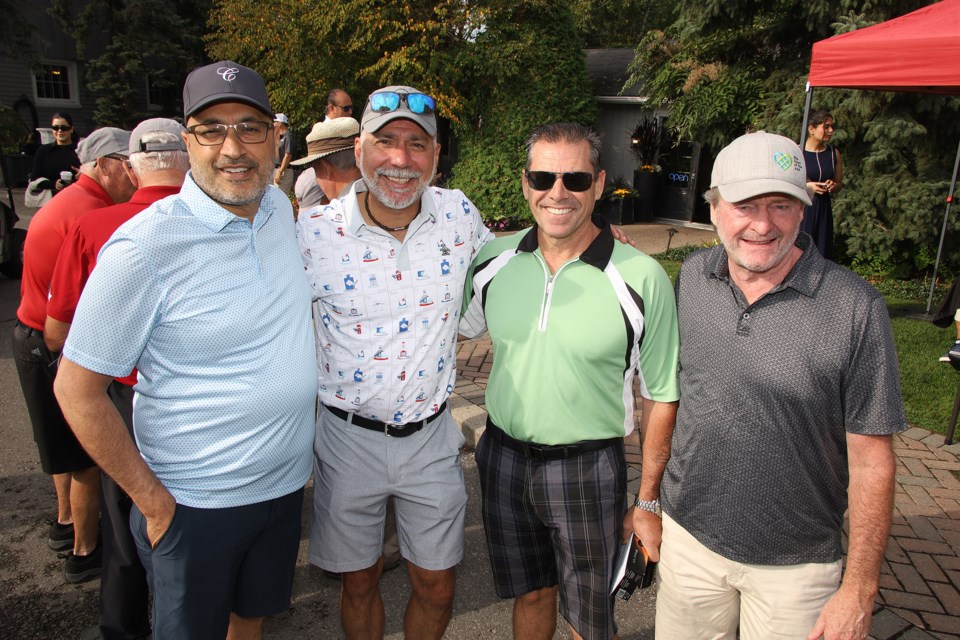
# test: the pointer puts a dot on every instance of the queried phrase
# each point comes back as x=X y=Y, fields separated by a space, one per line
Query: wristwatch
x=653 y=506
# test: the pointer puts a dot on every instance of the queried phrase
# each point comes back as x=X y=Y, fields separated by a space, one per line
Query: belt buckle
x=386 y=429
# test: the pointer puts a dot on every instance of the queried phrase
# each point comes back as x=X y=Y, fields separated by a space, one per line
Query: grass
x=929 y=387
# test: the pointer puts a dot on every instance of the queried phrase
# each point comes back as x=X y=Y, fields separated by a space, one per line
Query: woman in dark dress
x=58 y=156
x=824 y=178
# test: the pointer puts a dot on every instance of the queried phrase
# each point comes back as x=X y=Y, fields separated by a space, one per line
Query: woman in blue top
x=824 y=178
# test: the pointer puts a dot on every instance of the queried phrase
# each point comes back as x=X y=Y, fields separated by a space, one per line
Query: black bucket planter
x=645 y=183
x=617 y=210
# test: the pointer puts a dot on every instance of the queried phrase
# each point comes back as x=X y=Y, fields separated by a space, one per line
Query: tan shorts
x=703 y=595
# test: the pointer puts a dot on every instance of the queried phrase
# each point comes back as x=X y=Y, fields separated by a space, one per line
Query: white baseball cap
x=758 y=163
x=281 y=117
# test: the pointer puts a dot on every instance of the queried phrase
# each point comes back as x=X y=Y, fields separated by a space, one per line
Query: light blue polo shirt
x=214 y=312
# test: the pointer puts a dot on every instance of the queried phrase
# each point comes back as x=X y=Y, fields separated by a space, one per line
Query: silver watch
x=653 y=506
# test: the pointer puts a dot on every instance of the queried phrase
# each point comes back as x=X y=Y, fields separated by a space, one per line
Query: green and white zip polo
x=566 y=345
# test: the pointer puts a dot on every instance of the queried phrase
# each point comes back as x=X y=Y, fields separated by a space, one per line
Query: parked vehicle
x=11 y=238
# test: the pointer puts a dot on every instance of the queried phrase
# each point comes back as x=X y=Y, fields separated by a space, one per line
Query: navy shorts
x=555 y=522
x=212 y=562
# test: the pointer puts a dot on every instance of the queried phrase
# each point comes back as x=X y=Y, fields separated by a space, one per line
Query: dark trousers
x=124 y=595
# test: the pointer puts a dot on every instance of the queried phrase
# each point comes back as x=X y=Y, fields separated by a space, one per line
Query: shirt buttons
x=746 y=315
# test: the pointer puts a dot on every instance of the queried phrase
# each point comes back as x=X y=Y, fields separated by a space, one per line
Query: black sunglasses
x=575 y=181
x=346 y=107
x=61 y=127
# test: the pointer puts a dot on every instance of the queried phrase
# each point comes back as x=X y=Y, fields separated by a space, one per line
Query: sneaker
x=954 y=351
x=60 y=536
x=79 y=569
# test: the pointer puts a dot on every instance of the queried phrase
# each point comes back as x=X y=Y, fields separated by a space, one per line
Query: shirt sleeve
x=120 y=305
x=660 y=350
x=873 y=402
x=70 y=274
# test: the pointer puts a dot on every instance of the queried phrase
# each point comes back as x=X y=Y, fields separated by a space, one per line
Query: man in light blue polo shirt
x=204 y=293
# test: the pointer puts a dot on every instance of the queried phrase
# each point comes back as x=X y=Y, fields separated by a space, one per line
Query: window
x=56 y=84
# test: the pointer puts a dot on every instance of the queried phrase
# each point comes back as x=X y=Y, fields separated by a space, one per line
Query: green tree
x=304 y=49
x=156 y=37
x=618 y=23
x=726 y=67
x=497 y=68
x=524 y=69
x=16 y=35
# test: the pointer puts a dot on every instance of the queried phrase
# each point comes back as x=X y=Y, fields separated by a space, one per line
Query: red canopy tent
x=917 y=52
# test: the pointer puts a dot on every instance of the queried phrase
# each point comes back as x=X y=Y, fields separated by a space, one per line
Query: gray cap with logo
x=759 y=163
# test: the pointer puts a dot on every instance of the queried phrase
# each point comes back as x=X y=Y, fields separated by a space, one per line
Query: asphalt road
x=36 y=603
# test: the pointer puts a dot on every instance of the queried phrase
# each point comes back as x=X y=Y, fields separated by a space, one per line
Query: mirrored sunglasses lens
x=420 y=103
x=577 y=180
x=386 y=101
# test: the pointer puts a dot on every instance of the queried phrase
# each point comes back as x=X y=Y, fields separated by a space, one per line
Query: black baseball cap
x=224 y=81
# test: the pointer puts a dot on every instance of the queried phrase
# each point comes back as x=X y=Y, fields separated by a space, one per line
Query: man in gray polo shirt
x=789 y=395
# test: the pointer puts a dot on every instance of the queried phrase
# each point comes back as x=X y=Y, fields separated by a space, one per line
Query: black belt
x=392 y=430
x=547 y=452
x=30 y=331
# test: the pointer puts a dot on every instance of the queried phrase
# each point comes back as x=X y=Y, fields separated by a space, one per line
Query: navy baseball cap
x=224 y=81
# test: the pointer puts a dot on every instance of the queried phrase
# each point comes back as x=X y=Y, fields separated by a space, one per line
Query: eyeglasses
x=575 y=181
x=387 y=101
x=61 y=127
x=831 y=127
x=346 y=107
x=210 y=135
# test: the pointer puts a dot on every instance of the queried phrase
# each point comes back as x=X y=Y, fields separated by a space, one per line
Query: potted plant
x=617 y=202
x=646 y=141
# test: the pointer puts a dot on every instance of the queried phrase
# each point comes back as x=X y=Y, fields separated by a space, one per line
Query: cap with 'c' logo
x=224 y=81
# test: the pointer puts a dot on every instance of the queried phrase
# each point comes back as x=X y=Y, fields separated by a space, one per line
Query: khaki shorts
x=702 y=595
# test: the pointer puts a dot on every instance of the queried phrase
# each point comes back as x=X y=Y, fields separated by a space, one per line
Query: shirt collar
x=215 y=217
x=355 y=221
x=93 y=187
x=804 y=277
x=597 y=254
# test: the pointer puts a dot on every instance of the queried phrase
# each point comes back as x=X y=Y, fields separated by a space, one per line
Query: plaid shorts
x=556 y=518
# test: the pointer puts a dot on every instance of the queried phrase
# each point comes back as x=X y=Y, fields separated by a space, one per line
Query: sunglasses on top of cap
x=388 y=101
x=575 y=181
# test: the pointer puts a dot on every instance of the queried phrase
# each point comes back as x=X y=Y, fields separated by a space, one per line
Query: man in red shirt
x=157 y=166
x=102 y=182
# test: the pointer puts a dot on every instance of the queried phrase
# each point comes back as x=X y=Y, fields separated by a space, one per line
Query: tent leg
x=943 y=231
x=806 y=115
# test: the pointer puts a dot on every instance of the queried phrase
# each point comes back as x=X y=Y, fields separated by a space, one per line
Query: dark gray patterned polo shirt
x=758 y=469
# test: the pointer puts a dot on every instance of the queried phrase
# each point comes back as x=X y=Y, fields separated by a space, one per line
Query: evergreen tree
x=161 y=38
x=727 y=67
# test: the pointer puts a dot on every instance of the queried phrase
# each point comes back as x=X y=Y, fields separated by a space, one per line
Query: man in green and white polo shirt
x=574 y=316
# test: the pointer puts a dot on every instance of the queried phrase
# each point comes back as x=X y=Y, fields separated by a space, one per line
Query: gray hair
x=149 y=161
x=570 y=132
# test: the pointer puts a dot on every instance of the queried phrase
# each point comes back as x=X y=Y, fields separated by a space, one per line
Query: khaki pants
x=702 y=595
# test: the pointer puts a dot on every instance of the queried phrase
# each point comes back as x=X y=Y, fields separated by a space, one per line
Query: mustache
x=246 y=163
x=398 y=173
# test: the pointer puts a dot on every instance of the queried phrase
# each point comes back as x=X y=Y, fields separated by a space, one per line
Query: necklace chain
x=366 y=206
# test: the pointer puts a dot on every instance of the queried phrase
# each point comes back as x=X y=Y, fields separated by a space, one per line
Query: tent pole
x=806 y=115
x=943 y=231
